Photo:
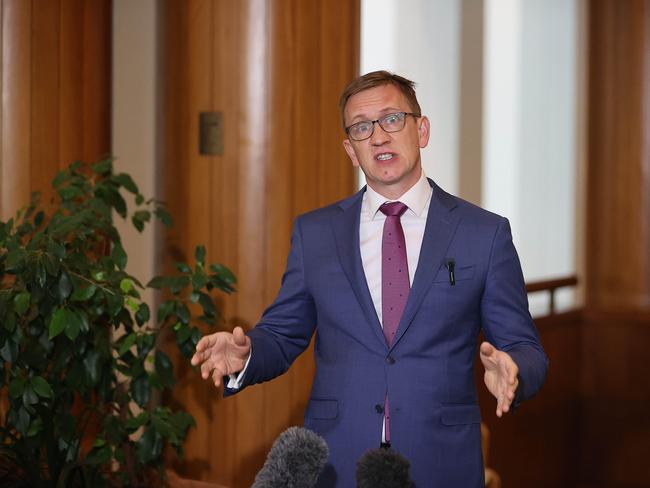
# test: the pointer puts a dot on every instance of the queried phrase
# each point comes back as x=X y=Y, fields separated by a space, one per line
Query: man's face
x=390 y=161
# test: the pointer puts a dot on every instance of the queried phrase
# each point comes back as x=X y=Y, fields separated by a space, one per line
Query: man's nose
x=379 y=136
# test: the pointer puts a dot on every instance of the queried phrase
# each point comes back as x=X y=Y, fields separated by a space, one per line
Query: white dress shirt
x=371 y=229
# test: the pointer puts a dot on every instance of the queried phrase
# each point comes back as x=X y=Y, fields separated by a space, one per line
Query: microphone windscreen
x=383 y=468
x=296 y=459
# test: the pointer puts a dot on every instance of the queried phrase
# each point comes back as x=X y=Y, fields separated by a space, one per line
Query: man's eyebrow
x=385 y=111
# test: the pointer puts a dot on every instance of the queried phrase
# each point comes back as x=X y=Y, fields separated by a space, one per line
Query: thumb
x=238 y=336
x=487 y=349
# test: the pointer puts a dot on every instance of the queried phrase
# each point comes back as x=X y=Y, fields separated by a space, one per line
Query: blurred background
x=227 y=110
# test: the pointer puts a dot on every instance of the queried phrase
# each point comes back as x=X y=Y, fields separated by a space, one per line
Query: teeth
x=384 y=157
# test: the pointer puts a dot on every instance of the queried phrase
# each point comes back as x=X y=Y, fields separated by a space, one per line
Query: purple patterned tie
x=394 y=278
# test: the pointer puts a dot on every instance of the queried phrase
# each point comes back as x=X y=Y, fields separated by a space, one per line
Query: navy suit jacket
x=428 y=372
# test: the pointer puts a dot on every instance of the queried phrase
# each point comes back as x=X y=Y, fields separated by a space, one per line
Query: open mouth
x=384 y=156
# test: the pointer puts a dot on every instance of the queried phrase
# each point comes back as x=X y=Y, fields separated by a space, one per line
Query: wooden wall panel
x=275 y=70
x=538 y=445
x=615 y=390
x=615 y=399
x=55 y=89
x=16 y=106
x=44 y=117
x=96 y=83
x=618 y=258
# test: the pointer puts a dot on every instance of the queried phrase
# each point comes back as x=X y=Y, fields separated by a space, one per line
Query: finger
x=210 y=365
x=206 y=369
x=205 y=342
x=201 y=357
x=216 y=377
x=198 y=357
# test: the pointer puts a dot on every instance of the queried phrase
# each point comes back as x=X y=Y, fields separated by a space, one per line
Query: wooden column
x=615 y=389
x=55 y=83
x=619 y=156
x=274 y=70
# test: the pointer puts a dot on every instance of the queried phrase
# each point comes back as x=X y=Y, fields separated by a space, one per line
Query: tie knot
x=393 y=209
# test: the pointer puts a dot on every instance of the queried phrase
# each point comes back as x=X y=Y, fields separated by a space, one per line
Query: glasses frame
x=378 y=122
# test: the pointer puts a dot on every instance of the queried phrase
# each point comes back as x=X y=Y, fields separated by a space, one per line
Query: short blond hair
x=375 y=79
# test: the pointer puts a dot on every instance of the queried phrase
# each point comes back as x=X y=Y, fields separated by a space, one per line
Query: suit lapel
x=439 y=231
x=346 y=230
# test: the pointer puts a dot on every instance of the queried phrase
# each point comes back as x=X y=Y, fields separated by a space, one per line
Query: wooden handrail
x=551 y=286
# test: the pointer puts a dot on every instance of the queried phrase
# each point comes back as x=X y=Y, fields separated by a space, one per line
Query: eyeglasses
x=390 y=123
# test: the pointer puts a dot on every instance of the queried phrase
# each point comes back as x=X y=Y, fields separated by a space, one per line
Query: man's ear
x=347 y=145
x=424 y=131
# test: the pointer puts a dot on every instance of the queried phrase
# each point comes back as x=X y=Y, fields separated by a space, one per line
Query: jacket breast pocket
x=460 y=274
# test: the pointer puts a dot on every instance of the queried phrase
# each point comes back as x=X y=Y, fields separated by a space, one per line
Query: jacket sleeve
x=286 y=327
x=505 y=317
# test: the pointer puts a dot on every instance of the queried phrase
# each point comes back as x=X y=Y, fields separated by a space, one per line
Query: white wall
x=530 y=131
x=419 y=39
x=532 y=110
x=134 y=119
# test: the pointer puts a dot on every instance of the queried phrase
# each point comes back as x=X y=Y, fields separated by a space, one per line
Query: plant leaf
x=100 y=455
x=182 y=333
x=92 y=367
x=21 y=302
x=29 y=396
x=9 y=351
x=58 y=322
x=207 y=304
x=127 y=343
x=134 y=423
x=73 y=324
x=41 y=387
x=127 y=182
x=64 y=286
x=119 y=256
x=140 y=389
x=16 y=387
x=83 y=294
x=149 y=445
x=143 y=314
x=183 y=313
x=35 y=427
x=200 y=254
x=126 y=285
x=164 y=368
x=103 y=167
x=164 y=217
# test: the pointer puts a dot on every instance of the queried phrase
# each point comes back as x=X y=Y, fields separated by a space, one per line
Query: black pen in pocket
x=450 y=264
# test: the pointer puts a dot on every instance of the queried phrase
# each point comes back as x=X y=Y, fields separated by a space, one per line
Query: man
x=397 y=281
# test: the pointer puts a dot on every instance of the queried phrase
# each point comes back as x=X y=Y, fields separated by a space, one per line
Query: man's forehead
x=375 y=101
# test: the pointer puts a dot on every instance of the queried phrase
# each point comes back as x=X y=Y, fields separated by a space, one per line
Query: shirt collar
x=416 y=198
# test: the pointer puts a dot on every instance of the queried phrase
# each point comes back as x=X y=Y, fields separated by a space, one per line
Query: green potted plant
x=79 y=358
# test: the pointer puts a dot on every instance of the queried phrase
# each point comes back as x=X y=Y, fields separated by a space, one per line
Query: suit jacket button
x=379 y=408
x=390 y=360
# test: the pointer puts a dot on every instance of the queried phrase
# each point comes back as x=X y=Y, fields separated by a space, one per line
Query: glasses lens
x=360 y=131
x=393 y=122
x=389 y=123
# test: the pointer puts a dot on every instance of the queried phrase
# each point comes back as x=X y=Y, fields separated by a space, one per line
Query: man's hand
x=500 y=376
x=221 y=354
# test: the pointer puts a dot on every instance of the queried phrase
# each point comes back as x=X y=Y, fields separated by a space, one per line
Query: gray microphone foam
x=295 y=460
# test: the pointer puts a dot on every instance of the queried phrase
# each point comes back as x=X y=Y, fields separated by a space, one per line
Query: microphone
x=295 y=460
x=383 y=468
